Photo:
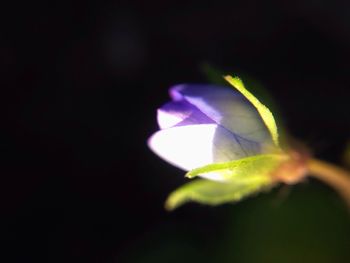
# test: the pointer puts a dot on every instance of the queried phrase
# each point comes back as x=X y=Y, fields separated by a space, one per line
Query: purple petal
x=180 y=113
x=227 y=108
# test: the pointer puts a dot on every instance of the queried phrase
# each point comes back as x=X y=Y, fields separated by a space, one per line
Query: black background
x=80 y=85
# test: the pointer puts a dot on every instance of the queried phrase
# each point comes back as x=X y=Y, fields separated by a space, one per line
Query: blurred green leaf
x=213 y=74
x=215 y=193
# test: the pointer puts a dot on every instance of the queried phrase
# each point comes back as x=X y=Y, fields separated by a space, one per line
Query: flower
x=206 y=124
x=231 y=139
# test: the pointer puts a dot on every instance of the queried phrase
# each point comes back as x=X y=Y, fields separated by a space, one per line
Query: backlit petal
x=193 y=146
x=179 y=113
x=227 y=108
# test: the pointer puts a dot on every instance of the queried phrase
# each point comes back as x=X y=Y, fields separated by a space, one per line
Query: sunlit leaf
x=243 y=177
x=264 y=112
x=215 y=193
x=242 y=169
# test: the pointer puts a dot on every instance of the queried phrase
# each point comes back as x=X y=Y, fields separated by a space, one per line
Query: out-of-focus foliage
x=346 y=155
x=311 y=225
x=215 y=193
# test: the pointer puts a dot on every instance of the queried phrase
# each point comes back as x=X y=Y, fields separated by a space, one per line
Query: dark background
x=80 y=85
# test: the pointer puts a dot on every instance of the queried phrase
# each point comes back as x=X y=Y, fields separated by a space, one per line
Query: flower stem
x=332 y=175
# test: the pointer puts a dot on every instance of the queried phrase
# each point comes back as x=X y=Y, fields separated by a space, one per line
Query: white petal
x=169 y=119
x=193 y=146
x=186 y=147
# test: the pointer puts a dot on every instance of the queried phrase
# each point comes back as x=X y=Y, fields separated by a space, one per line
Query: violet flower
x=206 y=124
x=219 y=134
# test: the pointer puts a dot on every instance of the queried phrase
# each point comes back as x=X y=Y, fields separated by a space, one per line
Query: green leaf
x=242 y=169
x=244 y=177
x=215 y=193
x=213 y=74
x=264 y=112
